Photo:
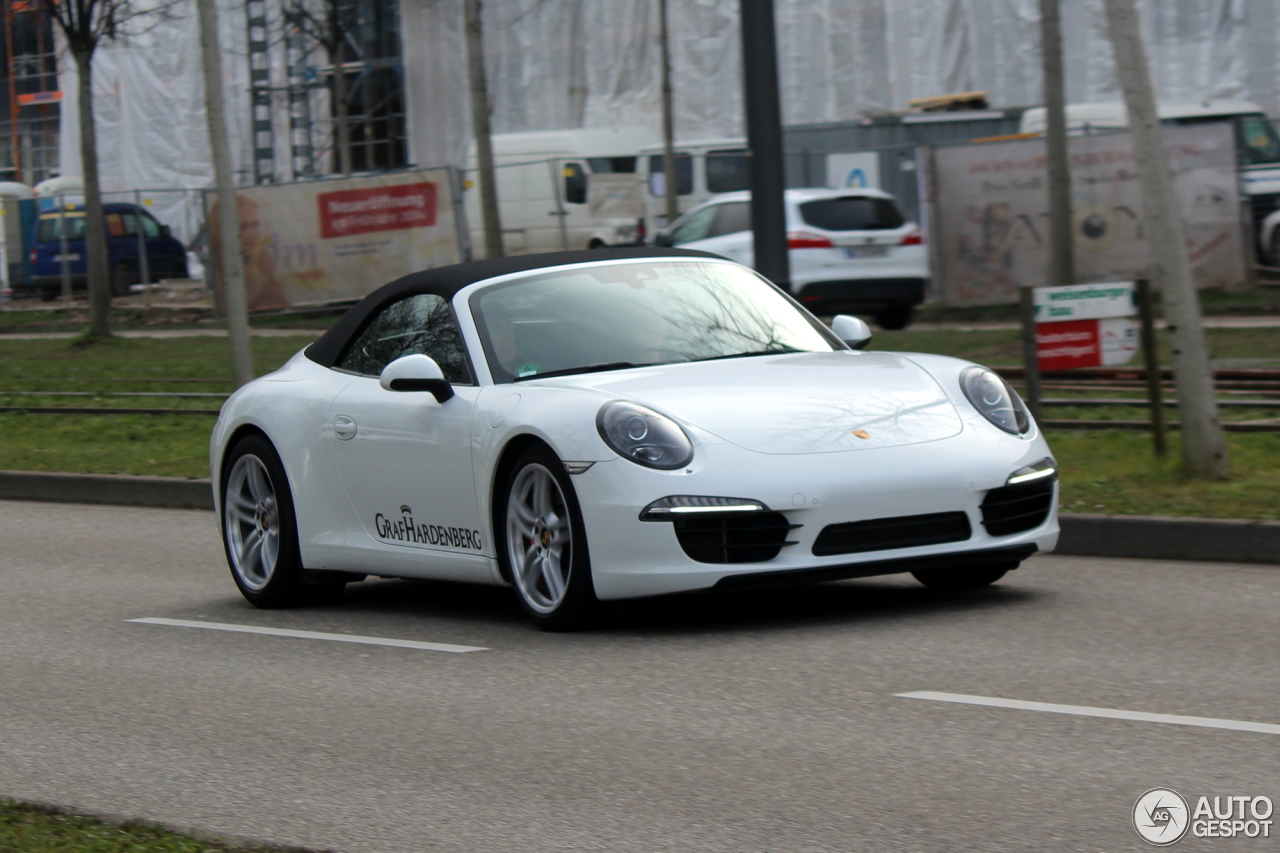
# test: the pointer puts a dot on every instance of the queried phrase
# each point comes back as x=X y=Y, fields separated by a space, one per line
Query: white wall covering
x=565 y=63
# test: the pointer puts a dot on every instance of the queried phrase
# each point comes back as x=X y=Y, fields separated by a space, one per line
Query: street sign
x=1086 y=325
x=1086 y=343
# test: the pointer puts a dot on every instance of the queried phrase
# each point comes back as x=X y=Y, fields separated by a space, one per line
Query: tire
x=47 y=294
x=895 y=318
x=542 y=545
x=179 y=268
x=121 y=278
x=260 y=530
x=956 y=580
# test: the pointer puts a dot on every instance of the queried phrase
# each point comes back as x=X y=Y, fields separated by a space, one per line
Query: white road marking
x=309 y=635
x=1105 y=713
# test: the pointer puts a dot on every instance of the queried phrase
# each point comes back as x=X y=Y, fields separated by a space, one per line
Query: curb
x=1087 y=535
x=1161 y=537
x=119 y=489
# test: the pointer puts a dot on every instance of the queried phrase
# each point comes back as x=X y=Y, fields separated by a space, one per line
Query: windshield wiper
x=774 y=351
x=586 y=368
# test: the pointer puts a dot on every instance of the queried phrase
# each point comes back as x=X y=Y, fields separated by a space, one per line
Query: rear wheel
x=895 y=318
x=542 y=545
x=954 y=580
x=47 y=294
x=260 y=531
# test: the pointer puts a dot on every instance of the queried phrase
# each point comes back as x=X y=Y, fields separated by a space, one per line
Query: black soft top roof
x=446 y=281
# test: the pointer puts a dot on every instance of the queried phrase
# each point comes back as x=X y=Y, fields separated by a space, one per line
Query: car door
x=403 y=458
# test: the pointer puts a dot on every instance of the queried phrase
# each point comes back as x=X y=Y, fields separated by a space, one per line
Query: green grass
x=35 y=829
x=1103 y=471
x=75 y=319
x=1115 y=471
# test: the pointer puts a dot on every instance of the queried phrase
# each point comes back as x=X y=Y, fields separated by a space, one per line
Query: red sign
x=1068 y=345
x=40 y=98
x=348 y=212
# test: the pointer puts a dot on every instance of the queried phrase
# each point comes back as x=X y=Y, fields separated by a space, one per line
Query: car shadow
x=864 y=601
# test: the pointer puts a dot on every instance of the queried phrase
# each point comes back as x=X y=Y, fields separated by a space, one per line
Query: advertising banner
x=316 y=242
x=990 y=212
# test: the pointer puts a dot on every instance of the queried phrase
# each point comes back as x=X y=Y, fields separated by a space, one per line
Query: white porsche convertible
x=610 y=424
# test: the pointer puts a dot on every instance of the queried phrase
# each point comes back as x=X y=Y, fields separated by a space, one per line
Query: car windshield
x=617 y=315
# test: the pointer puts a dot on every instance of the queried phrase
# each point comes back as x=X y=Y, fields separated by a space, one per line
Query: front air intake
x=883 y=534
x=1013 y=509
x=745 y=537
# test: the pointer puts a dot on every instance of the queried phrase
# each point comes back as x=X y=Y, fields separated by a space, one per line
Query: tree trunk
x=1204 y=447
x=95 y=232
x=480 y=128
x=232 y=267
x=343 y=120
x=669 y=181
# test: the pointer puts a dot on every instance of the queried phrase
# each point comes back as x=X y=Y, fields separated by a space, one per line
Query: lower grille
x=882 y=534
x=1013 y=509
x=750 y=537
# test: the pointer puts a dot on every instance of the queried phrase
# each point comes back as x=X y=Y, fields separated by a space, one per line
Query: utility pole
x=1061 y=251
x=1204 y=448
x=764 y=140
x=480 y=127
x=669 y=181
x=228 y=216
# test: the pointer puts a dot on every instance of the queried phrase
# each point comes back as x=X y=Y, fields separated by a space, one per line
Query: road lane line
x=1105 y=713
x=309 y=635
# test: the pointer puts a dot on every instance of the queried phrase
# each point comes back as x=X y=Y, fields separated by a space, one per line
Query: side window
x=150 y=226
x=731 y=218
x=118 y=225
x=728 y=171
x=417 y=324
x=575 y=183
x=684 y=175
x=697 y=226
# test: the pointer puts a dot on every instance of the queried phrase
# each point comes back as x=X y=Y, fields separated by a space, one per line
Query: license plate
x=73 y=256
x=866 y=251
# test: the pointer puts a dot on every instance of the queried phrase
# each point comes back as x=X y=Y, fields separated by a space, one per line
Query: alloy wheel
x=251 y=522
x=539 y=538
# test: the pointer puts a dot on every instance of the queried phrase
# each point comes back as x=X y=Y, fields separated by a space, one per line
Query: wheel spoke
x=526 y=516
x=551 y=573
x=259 y=485
x=242 y=514
x=238 y=501
x=249 y=548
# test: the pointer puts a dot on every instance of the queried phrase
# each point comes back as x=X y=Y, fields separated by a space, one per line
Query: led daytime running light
x=1037 y=471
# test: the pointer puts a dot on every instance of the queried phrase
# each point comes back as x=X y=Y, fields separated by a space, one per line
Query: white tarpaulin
x=594 y=63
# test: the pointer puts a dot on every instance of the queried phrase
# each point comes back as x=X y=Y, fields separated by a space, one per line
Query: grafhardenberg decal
x=405 y=529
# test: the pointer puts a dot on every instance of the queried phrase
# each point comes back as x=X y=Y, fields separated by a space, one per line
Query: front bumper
x=633 y=558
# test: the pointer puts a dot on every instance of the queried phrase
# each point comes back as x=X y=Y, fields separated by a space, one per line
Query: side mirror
x=854 y=332
x=663 y=240
x=416 y=373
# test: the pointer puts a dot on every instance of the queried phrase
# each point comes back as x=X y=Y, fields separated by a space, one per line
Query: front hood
x=785 y=404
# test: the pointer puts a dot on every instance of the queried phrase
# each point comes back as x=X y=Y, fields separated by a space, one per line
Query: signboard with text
x=315 y=242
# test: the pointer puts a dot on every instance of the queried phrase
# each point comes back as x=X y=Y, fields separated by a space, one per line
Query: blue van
x=166 y=256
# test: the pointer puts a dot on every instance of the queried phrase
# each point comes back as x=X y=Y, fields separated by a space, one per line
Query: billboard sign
x=989 y=215
x=317 y=242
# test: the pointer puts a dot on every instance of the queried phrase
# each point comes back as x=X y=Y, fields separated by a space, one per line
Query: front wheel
x=260 y=531
x=955 y=580
x=543 y=545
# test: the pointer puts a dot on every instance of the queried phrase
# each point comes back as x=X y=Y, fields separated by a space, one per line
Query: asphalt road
x=711 y=723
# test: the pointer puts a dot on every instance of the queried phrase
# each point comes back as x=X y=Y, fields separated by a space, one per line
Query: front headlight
x=993 y=397
x=644 y=436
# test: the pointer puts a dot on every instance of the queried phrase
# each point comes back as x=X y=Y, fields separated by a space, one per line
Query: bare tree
x=85 y=24
x=329 y=23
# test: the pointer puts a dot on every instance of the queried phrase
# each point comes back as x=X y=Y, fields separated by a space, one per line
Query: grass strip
x=28 y=828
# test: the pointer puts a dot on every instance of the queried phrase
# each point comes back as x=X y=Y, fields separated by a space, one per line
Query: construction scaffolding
x=29 y=143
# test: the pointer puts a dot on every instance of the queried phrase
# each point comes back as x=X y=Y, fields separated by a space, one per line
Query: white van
x=704 y=168
x=1257 y=145
x=544 y=182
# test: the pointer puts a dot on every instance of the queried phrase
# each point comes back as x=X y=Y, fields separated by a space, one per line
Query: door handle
x=344 y=427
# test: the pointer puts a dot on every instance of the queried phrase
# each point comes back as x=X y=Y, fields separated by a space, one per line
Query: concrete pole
x=668 y=120
x=489 y=215
x=1204 y=448
x=764 y=140
x=228 y=218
